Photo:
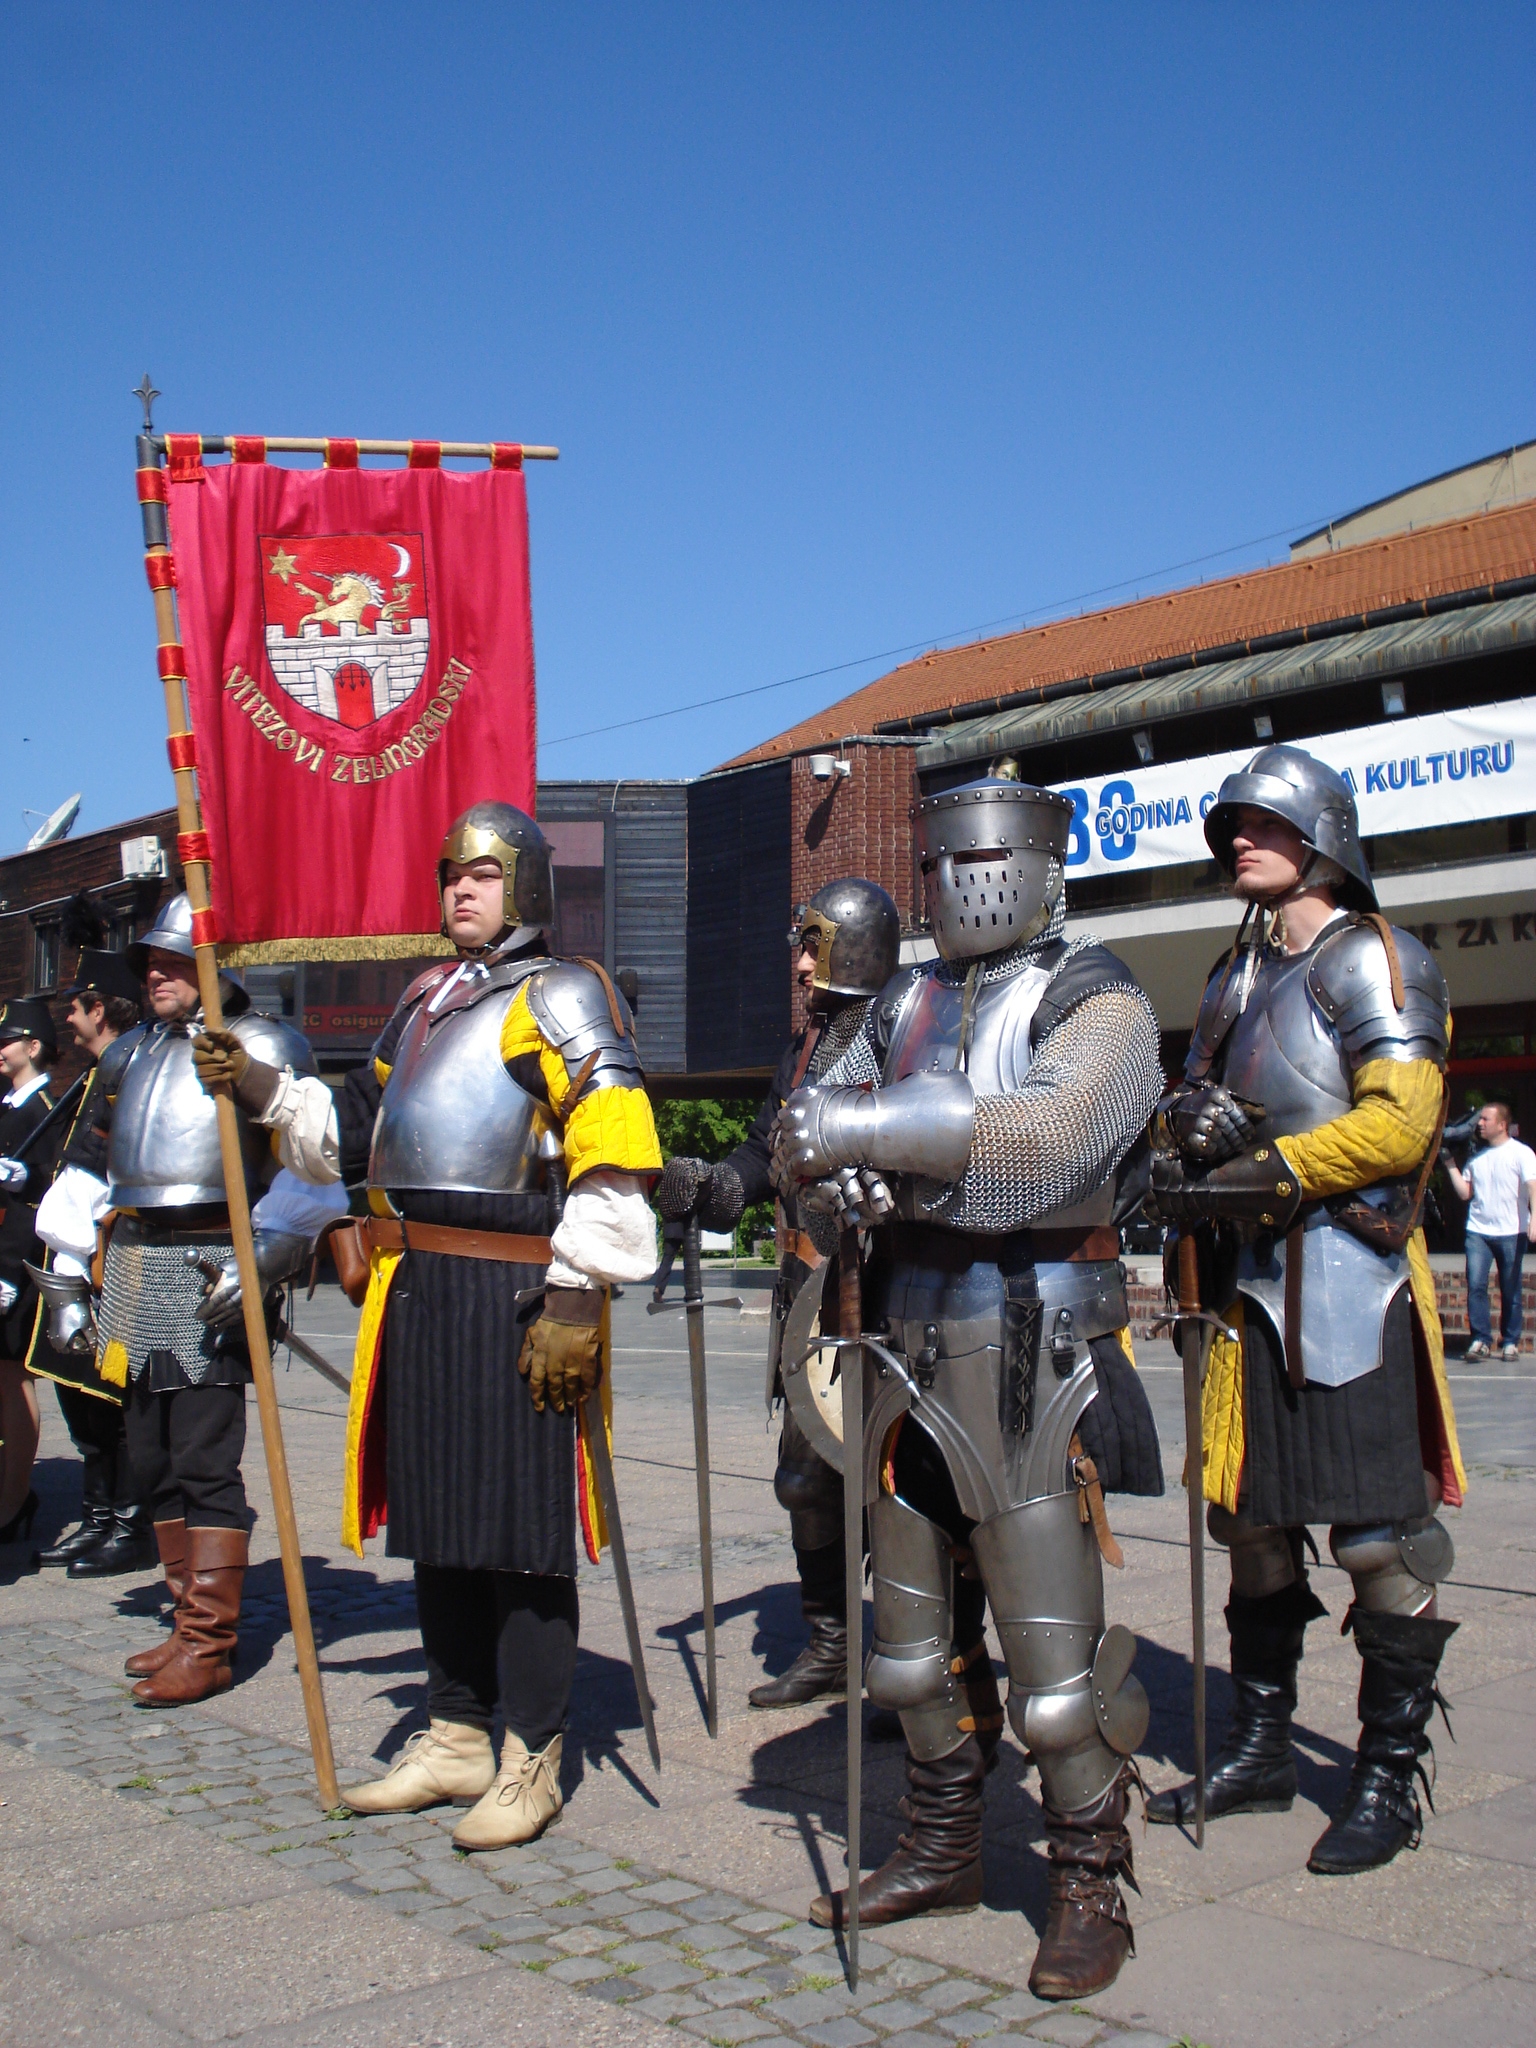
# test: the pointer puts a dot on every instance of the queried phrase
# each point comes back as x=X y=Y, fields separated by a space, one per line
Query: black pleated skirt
x=1332 y=1454
x=477 y=1479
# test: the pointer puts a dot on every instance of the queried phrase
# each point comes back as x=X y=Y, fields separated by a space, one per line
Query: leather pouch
x=348 y=1240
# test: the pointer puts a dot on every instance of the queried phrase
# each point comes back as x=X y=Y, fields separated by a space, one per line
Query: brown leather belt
x=799 y=1244
x=388 y=1234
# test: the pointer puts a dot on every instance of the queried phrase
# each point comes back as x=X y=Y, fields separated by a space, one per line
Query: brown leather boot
x=936 y=1868
x=1087 y=1929
x=199 y=1663
x=171 y=1542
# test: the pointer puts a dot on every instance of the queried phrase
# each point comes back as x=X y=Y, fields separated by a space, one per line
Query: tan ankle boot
x=524 y=1801
x=171 y=1541
x=447 y=1761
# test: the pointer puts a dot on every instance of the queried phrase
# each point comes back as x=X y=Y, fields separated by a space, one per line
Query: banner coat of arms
x=360 y=670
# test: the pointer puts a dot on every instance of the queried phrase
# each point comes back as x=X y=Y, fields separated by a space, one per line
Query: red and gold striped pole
x=192 y=846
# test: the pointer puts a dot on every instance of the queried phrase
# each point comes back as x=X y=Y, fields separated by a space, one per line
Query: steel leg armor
x=1395 y=1566
x=1071 y=1697
x=910 y=1663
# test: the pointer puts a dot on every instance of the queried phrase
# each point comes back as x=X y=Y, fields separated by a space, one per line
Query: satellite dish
x=57 y=826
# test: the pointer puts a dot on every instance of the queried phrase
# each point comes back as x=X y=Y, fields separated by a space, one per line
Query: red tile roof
x=1462 y=555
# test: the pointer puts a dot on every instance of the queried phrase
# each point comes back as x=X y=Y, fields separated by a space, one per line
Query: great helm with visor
x=993 y=857
x=854 y=930
x=508 y=836
x=1314 y=799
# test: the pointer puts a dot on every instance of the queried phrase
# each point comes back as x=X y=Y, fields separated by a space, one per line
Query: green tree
x=706 y=1128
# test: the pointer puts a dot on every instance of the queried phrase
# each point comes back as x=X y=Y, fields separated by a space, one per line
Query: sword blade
x=1191 y=1350
x=311 y=1357
x=693 y=1290
x=602 y=1466
x=850 y=1318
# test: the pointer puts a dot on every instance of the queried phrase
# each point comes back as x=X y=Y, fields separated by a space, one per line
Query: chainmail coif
x=1087 y=1097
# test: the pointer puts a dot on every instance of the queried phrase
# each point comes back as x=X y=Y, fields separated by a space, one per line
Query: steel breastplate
x=926 y=1040
x=163 y=1152
x=452 y=1117
x=1283 y=1052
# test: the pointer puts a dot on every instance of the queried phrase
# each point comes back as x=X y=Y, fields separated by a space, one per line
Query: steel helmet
x=508 y=836
x=993 y=857
x=171 y=932
x=855 y=932
x=1292 y=784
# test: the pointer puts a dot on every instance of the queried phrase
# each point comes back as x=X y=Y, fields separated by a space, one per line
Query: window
x=45 y=957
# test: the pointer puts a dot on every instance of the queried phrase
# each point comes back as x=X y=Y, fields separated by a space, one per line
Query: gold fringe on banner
x=375 y=946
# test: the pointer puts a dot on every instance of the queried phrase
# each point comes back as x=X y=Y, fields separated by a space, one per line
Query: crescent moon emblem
x=404 y=562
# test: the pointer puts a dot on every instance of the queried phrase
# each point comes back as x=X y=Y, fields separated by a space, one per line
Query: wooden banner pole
x=157 y=563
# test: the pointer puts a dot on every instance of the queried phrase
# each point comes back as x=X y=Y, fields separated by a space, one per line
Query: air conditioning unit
x=143 y=857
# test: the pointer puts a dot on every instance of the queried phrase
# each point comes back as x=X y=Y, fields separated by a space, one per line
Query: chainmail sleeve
x=1086 y=1099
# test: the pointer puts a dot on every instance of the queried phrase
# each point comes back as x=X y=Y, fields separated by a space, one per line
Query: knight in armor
x=847 y=941
x=507 y=1145
x=28 y=1048
x=1297 y=1147
x=1017 y=1072
x=170 y=1336
x=115 y=1533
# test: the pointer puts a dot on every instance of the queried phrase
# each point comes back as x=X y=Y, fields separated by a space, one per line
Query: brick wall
x=855 y=825
x=40 y=882
x=1144 y=1292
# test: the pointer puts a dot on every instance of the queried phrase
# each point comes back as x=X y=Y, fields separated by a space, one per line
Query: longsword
x=693 y=1304
x=602 y=1466
x=1192 y=1351
x=850 y=1320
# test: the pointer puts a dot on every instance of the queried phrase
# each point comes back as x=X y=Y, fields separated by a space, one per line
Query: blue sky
x=858 y=326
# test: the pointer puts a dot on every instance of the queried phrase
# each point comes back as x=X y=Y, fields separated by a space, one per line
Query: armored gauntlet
x=279 y=1255
x=922 y=1125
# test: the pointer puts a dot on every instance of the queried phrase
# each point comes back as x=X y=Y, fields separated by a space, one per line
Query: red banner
x=360 y=670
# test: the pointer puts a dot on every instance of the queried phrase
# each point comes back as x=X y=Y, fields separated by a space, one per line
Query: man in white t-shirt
x=1499 y=1181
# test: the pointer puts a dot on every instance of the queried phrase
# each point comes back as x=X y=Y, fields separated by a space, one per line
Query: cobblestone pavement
x=713 y=1963
x=674 y=1905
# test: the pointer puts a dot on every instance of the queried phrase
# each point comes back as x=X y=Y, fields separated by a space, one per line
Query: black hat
x=100 y=973
x=28 y=1017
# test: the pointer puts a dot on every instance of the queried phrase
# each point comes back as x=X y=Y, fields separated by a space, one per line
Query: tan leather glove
x=223 y=1062
x=562 y=1356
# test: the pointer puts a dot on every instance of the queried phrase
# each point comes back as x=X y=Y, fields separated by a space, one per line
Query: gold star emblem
x=282 y=564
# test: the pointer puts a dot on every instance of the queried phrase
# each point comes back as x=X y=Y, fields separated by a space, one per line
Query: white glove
x=13 y=1173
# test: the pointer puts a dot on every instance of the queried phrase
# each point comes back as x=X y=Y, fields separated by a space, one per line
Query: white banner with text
x=1407 y=774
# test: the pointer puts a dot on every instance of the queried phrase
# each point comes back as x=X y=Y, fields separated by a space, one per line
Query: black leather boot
x=821 y=1669
x=1400 y=1656
x=128 y=1546
x=819 y=1672
x=96 y=1512
x=1254 y=1771
x=937 y=1867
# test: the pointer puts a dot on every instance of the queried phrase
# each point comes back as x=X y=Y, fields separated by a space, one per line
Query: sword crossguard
x=1197 y=1315
x=864 y=1342
x=661 y=1308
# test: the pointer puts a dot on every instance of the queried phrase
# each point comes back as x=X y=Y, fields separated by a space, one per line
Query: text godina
x=242 y=690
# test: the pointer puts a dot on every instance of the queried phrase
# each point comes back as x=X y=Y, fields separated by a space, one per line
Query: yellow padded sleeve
x=521 y=1035
x=610 y=1127
x=382 y=1072
x=1388 y=1131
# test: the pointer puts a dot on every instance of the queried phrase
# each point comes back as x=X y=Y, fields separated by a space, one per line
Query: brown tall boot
x=171 y=1542
x=1087 y=1929
x=936 y=1868
x=199 y=1663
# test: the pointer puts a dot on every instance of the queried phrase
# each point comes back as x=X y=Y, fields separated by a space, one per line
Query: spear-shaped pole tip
x=146 y=394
